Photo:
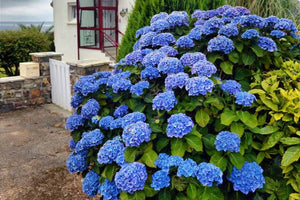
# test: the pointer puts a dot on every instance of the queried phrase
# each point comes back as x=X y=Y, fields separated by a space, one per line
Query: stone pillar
x=86 y=67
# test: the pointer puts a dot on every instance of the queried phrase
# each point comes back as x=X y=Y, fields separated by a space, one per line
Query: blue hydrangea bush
x=175 y=119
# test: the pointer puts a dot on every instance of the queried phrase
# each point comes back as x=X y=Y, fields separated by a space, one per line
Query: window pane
x=89 y=38
x=109 y=18
x=112 y=36
x=89 y=19
x=109 y=3
x=87 y=3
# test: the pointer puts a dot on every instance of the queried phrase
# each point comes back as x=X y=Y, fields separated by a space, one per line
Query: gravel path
x=34 y=149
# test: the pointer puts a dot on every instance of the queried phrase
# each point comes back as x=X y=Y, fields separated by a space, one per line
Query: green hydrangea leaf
x=202 y=118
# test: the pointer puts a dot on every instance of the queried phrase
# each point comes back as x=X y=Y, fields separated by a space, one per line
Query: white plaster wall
x=92 y=54
x=124 y=20
x=65 y=31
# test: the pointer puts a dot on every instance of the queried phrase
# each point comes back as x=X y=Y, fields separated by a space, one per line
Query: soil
x=33 y=153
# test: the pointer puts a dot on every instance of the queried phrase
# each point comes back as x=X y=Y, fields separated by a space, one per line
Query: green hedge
x=145 y=9
x=15 y=47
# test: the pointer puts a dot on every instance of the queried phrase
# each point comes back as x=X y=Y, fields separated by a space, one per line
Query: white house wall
x=123 y=4
x=65 y=31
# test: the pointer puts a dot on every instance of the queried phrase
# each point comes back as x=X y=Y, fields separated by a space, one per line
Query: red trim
x=102 y=34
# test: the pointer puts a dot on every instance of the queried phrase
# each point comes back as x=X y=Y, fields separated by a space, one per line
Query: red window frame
x=100 y=28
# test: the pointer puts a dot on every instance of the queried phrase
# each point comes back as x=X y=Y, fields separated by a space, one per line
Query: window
x=97 y=26
x=72 y=13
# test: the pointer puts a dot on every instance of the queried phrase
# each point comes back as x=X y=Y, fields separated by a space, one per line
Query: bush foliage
x=15 y=47
x=143 y=10
x=205 y=107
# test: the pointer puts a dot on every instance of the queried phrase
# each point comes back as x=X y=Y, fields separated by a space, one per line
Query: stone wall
x=18 y=92
x=86 y=67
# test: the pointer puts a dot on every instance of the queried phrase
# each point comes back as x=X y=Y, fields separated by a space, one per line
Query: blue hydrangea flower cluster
x=159 y=16
x=131 y=177
x=121 y=85
x=160 y=179
x=76 y=162
x=286 y=25
x=90 y=109
x=178 y=19
x=150 y=73
x=189 y=59
x=199 y=85
x=267 y=44
x=231 y=86
x=115 y=77
x=196 y=33
x=174 y=81
x=138 y=88
x=248 y=178
x=117 y=123
x=88 y=140
x=162 y=161
x=91 y=183
x=121 y=111
x=179 y=125
x=204 y=68
x=250 y=33
x=163 y=39
x=146 y=40
x=212 y=25
x=160 y=25
x=152 y=59
x=142 y=31
x=74 y=121
x=76 y=100
x=134 y=57
x=208 y=174
x=229 y=30
x=86 y=85
x=135 y=134
x=170 y=65
x=252 y=21
x=164 y=101
x=109 y=152
x=277 y=33
x=105 y=122
x=220 y=43
x=185 y=41
x=133 y=118
x=109 y=190
x=169 y=51
x=72 y=144
x=228 y=141
x=244 y=98
x=187 y=168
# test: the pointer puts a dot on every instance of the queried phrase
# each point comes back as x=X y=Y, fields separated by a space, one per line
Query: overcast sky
x=25 y=10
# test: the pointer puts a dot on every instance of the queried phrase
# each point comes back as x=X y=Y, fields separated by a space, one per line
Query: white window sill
x=73 y=22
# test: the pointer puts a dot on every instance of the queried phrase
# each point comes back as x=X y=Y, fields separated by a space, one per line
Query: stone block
x=29 y=69
x=9 y=94
x=40 y=101
x=18 y=94
x=46 y=82
x=34 y=93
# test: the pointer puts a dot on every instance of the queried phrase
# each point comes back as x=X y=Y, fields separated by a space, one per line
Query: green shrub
x=143 y=10
x=182 y=101
x=15 y=47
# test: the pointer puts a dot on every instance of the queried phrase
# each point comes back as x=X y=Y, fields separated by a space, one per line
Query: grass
x=264 y=8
